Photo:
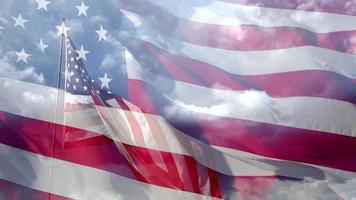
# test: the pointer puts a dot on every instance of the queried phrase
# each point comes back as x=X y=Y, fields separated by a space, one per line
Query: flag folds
x=226 y=100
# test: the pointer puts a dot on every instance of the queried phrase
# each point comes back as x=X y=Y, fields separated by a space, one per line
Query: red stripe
x=245 y=37
x=139 y=139
x=287 y=143
x=252 y=37
x=13 y=191
x=161 y=142
x=134 y=126
x=315 y=147
x=315 y=83
x=145 y=103
x=214 y=183
x=263 y=186
x=347 y=7
x=194 y=174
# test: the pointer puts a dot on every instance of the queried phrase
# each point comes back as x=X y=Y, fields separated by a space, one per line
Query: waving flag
x=154 y=99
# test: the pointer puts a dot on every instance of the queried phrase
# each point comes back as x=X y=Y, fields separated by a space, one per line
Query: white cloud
x=113 y=60
x=75 y=25
x=350 y=7
x=29 y=73
x=32 y=97
x=97 y=19
x=3 y=20
x=109 y=61
x=220 y=105
x=309 y=189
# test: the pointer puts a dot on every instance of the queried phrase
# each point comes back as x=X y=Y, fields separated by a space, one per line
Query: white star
x=102 y=33
x=82 y=9
x=42 y=46
x=82 y=53
x=62 y=29
x=42 y=4
x=105 y=81
x=19 y=21
x=68 y=75
x=22 y=55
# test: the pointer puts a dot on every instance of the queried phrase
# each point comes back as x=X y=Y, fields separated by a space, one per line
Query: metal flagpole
x=58 y=86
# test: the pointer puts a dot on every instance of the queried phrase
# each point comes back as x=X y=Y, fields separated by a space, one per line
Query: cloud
x=32 y=97
x=308 y=189
x=75 y=25
x=97 y=19
x=3 y=20
x=114 y=59
x=311 y=189
x=109 y=61
x=29 y=73
x=222 y=103
x=350 y=7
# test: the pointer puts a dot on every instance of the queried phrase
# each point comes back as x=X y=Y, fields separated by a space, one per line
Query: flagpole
x=58 y=86
x=60 y=57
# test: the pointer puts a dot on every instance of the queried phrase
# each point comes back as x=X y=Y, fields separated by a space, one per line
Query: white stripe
x=84 y=115
x=77 y=99
x=142 y=121
x=221 y=13
x=253 y=62
x=77 y=181
x=340 y=181
x=83 y=112
x=146 y=129
x=126 y=132
x=150 y=140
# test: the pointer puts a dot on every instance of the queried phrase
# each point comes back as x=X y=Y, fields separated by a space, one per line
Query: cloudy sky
x=105 y=56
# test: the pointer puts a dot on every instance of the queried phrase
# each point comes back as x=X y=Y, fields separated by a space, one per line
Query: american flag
x=208 y=99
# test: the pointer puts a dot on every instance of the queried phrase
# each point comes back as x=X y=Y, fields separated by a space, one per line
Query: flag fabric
x=217 y=99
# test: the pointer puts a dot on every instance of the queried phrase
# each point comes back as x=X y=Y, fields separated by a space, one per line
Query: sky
x=105 y=56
